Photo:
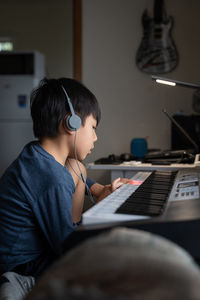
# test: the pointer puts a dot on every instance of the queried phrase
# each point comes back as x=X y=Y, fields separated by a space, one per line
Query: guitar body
x=157 y=52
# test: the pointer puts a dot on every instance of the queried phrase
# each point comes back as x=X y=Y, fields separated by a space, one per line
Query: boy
x=42 y=194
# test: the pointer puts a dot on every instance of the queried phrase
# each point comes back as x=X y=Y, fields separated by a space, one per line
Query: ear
x=64 y=128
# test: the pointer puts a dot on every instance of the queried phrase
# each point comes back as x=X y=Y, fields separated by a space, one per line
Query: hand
x=117 y=183
x=102 y=191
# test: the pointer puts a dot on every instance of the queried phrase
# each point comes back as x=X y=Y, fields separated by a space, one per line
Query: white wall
x=131 y=103
x=43 y=25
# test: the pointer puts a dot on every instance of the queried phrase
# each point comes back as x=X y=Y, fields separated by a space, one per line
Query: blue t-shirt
x=35 y=208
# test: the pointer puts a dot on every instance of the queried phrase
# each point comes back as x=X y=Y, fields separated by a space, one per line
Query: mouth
x=91 y=150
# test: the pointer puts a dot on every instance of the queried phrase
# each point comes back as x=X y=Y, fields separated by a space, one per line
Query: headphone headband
x=73 y=121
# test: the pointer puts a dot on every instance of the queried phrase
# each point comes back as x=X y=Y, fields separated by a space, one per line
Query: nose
x=95 y=137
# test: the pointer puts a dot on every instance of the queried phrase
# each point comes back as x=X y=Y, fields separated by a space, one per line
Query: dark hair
x=49 y=105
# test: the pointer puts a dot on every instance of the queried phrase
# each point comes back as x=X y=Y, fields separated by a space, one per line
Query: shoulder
x=35 y=171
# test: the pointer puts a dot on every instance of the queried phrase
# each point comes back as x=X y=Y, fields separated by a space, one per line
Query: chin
x=82 y=158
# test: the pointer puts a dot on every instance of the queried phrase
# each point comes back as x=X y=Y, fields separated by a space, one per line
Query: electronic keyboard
x=146 y=196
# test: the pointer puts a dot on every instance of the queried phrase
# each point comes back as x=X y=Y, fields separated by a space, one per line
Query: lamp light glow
x=166 y=82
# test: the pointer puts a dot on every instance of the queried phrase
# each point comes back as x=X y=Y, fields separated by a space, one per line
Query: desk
x=129 y=169
x=180 y=224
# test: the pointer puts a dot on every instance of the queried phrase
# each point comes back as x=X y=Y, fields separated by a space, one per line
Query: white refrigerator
x=19 y=74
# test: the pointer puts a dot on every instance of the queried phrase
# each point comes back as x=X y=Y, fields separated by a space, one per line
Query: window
x=6 y=44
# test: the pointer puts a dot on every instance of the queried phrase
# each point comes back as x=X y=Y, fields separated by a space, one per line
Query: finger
x=116 y=184
x=124 y=180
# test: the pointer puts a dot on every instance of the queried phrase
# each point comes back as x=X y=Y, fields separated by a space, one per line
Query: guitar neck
x=158 y=11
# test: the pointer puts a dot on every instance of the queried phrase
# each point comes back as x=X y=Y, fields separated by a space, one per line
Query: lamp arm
x=164 y=80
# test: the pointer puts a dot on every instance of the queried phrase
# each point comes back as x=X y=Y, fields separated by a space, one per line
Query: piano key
x=151 y=196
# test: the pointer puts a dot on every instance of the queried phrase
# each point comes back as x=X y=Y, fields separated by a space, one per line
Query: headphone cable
x=81 y=174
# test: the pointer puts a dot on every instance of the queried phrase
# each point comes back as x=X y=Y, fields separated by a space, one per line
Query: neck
x=56 y=147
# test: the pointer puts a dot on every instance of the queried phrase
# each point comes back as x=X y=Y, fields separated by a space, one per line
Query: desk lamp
x=172 y=82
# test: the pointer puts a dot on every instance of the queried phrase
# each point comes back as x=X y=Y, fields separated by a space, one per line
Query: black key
x=151 y=196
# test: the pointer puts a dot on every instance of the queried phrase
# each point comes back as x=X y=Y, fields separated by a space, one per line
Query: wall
x=40 y=25
x=131 y=103
x=43 y=25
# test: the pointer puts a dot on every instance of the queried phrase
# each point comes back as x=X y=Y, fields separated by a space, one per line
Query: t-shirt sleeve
x=54 y=214
x=90 y=182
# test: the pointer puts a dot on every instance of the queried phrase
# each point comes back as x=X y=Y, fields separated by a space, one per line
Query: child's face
x=86 y=136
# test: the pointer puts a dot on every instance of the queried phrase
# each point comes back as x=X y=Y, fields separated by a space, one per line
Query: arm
x=79 y=195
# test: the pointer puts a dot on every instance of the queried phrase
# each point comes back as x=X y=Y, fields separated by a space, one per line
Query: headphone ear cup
x=73 y=122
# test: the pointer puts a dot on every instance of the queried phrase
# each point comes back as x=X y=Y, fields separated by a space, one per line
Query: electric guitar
x=157 y=52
